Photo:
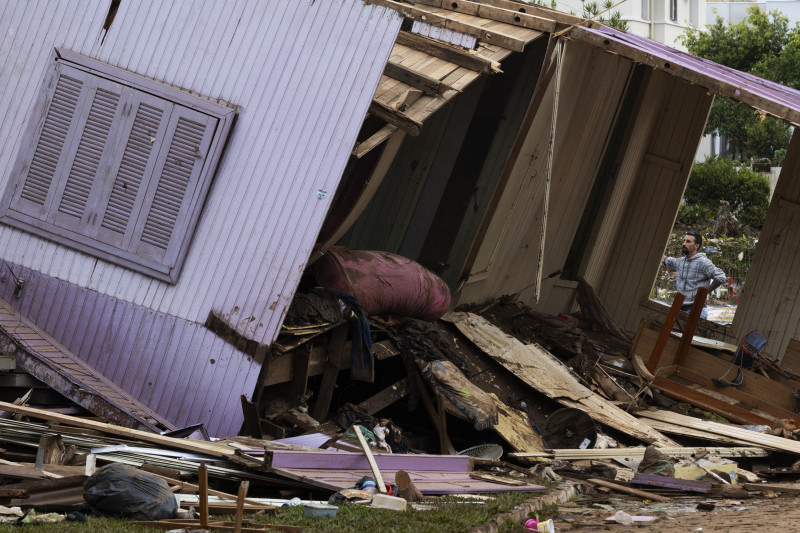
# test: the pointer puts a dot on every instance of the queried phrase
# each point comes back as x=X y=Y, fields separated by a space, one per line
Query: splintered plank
x=684 y=424
x=541 y=370
x=515 y=428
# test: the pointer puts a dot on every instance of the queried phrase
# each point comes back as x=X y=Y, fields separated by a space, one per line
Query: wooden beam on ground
x=208 y=448
x=628 y=490
x=448 y=52
x=545 y=373
x=638 y=452
x=335 y=355
x=680 y=422
x=691 y=326
x=666 y=329
x=709 y=403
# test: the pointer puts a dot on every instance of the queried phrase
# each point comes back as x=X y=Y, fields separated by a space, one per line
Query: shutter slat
x=84 y=169
x=132 y=168
x=51 y=141
x=172 y=185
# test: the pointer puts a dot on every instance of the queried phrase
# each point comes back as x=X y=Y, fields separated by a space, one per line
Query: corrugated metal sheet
x=303 y=75
x=176 y=367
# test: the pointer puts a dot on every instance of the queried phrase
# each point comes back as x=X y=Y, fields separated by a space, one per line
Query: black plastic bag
x=121 y=491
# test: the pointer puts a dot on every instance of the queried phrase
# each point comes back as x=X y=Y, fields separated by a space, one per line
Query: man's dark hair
x=698 y=239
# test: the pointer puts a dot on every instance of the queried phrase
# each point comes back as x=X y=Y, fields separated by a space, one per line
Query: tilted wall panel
x=302 y=74
x=178 y=368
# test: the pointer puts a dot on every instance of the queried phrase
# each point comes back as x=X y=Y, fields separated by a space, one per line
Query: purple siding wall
x=178 y=368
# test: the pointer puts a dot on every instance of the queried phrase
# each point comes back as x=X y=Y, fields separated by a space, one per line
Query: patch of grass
x=451 y=514
x=94 y=524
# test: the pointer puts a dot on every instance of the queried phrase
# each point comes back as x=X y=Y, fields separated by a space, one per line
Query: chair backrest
x=755 y=341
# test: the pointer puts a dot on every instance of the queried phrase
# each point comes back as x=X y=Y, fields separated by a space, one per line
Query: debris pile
x=364 y=409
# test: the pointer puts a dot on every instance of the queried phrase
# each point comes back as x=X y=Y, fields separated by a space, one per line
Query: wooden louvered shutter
x=118 y=204
x=115 y=165
x=173 y=189
x=48 y=147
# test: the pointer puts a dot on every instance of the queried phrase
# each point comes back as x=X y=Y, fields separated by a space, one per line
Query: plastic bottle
x=621 y=517
x=369 y=486
x=534 y=526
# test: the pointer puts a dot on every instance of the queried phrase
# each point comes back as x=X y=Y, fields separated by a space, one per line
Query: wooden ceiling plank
x=447 y=22
x=448 y=52
x=495 y=13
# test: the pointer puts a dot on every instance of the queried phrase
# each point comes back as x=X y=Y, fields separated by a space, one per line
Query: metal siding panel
x=303 y=74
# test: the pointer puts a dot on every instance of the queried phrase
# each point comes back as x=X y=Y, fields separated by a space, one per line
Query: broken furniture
x=686 y=373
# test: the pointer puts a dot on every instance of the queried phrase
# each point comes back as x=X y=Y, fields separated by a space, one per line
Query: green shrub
x=719 y=179
x=694 y=215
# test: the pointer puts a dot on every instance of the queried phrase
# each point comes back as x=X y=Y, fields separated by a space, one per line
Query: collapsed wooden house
x=508 y=147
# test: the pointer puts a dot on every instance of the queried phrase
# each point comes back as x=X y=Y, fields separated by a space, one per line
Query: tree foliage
x=720 y=179
x=591 y=10
x=762 y=44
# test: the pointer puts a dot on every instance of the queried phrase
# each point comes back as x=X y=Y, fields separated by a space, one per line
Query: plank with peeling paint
x=541 y=370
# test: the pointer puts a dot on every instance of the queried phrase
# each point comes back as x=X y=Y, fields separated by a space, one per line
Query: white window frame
x=151 y=164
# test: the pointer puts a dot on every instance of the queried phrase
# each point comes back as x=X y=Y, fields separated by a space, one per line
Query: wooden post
x=335 y=353
x=655 y=355
x=371 y=460
x=691 y=326
x=442 y=424
x=237 y=526
x=202 y=474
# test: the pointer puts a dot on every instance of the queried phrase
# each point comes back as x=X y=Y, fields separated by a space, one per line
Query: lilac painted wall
x=176 y=367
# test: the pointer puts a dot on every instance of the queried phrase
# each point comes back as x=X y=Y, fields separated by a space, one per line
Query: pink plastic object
x=532 y=525
x=384 y=283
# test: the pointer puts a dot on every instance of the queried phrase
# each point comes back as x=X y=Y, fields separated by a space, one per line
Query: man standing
x=695 y=270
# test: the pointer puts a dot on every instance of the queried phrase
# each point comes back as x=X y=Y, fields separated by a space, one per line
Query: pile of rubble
x=511 y=400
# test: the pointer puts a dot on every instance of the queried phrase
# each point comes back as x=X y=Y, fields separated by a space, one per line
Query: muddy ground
x=762 y=514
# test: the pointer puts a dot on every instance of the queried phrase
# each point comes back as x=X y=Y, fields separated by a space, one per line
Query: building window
x=115 y=165
x=673 y=10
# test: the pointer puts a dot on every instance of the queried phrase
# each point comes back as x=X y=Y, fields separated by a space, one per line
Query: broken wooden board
x=638 y=452
x=198 y=446
x=680 y=422
x=541 y=370
x=670 y=482
x=515 y=428
x=431 y=474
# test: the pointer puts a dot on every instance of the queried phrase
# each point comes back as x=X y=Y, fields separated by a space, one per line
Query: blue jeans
x=688 y=308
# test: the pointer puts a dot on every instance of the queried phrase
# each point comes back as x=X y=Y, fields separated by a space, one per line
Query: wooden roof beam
x=541 y=11
x=487 y=36
x=426 y=84
x=395 y=117
x=492 y=12
x=448 y=52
